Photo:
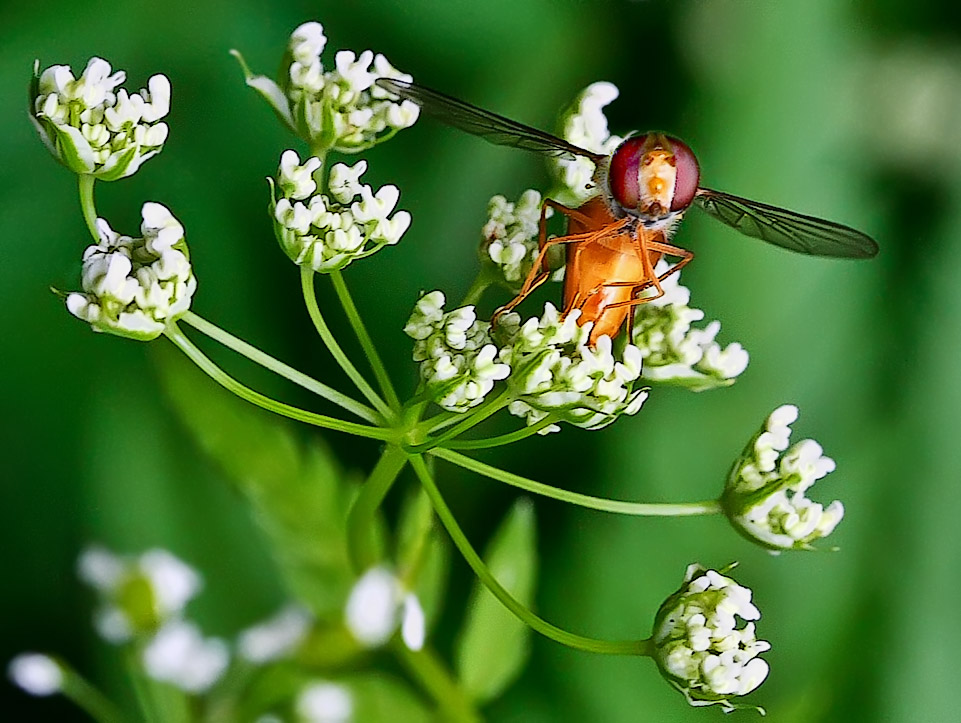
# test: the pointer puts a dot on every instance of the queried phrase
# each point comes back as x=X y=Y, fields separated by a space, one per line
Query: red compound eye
x=688 y=174
x=623 y=173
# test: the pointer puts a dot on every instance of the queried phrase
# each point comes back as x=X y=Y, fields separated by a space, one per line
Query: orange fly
x=615 y=239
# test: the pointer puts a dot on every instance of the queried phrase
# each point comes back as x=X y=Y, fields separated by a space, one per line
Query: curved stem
x=360 y=519
x=638 y=509
x=278 y=367
x=502 y=439
x=86 y=183
x=310 y=298
x=564 y=637
x=472 y=419
x=430 y=672
x=85 y=696
x=366 y=343
x=477 y=287
x=173 y=333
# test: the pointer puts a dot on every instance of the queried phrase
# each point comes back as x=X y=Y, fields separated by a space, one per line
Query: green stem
x=278 y=367
x=88 y=698
x=486 y=409
x=639 y=509
x=423 y=665
x=310 y=298
x=360 y=520
x=502 y=439
x=564 y=637
x=477 y=288
x=366 y=343
x=86 y=182
x=173 y=333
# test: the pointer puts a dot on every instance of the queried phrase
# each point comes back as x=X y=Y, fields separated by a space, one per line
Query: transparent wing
x=787 y=229
x=489 y=126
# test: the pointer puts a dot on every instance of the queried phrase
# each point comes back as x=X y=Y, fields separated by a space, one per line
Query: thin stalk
x=310 y=298
x=536 y=623
x=502 y=439
x=366 y=343
x=86 y=183
x=423 y=665
x=471 y=419
x=638 y=509
x=360 y=519
x=173 y=333
x=87 y=698
x=477 y=288
x=278 y=367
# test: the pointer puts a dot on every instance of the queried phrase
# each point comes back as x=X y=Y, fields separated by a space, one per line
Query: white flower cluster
x=456 y=355
x=326 y=233
x=584 y=125
x=276 y=637
x=133 y=287
x=91 y=127
x=509 y=238
x=764 y=496
x=673 y=351
x=341 y=109
x=699 y=645
x=557 y=373
x=144 y=598
x=378 y=604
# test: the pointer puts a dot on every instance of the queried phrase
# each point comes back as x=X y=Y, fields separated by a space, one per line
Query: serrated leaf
x=494 y=645
x=298 y=493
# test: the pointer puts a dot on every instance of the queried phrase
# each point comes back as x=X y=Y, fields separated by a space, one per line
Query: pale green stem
x=360 y=520
x=278 y=367
x=487 y=409
x=502 y=439
x=173 y=333
x=423 y=665
x=310 y=298
x=86 y=182
x=366 y=343
x=536 y=623
x=477 y=288
x=88 y=698
x=639 y=509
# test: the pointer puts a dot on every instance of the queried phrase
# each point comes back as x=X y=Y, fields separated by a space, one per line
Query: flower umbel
x=764 y=496
x=326 y=233
x=509 y=238
x=700 y=645
x=133 y=287
x=93 y=128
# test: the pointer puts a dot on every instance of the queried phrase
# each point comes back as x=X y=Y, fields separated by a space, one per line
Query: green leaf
x=269 y=90
x=494 y=645
x=73 y=150
x=298 y=493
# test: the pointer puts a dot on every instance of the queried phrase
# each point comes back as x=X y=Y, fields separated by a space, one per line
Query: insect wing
x=787 y=229
x=476 y=121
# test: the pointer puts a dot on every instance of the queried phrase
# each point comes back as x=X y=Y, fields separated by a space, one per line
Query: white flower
x=327 y=233
x=341 y=109
x=700 y=644
x=510 y=236
x=584 y=124
x=91 y=127
x=677 y=353
x=556 y=372
x=457 y=358
x=36 y=674
x=133 y=287
x=137 y=594
x=325 y=702
x=378 y=604
x=277 y=637
x=180 y=655
x=765 y=493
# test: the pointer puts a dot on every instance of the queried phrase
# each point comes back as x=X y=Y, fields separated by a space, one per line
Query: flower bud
x=378 y=604
x=36 y=674
x=133 y=287
x=764 y=495
x=92 y=128
x=704 y=639
x=509 y=238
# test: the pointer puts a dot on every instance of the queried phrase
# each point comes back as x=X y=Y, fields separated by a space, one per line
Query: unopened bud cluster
x=327 y=232
x=509 y=238
x=133 y=287
x=93 y=128
x=677 y=353
x=705 y=642
x=765 y=493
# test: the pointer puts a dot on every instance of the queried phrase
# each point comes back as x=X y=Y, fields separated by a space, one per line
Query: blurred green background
x=848 y=110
